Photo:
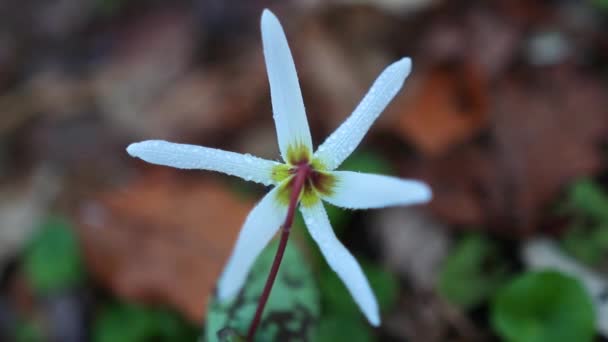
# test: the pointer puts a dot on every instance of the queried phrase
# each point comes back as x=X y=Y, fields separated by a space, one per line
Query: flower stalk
x=302 y=173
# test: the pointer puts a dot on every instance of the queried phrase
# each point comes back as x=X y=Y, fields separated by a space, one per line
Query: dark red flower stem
x=302 y=173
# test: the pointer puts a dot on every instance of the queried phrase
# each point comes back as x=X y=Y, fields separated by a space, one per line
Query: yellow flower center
x=318 y=181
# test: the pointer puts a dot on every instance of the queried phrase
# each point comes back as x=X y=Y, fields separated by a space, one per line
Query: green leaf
x=123 y=322
x=543 y=306
x=110 y=7
x=52 y=260
x=27 y=331
x=292 y=308
x=586 y=244
x=369 y=162
x=601 y=4
x=587 y=237
x=587 y=198
x=343 y=328
x=472 y=272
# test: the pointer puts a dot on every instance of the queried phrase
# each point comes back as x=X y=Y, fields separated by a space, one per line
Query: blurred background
x=505 y=115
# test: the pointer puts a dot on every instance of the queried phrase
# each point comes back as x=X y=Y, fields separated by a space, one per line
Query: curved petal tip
x=424 y=192
x=267 y=16
x=133 y=149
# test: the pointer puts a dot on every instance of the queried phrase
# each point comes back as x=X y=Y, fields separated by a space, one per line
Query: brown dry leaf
x=444 y=107
x=545 y=133
x=163 y=239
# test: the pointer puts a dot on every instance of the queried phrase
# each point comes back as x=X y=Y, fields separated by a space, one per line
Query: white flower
x=342 y=188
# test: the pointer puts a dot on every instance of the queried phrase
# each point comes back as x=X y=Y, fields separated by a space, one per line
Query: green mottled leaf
x=543 y=306
x=52 y=260
x=292 y=310
x=472 y=272
x=121 y=322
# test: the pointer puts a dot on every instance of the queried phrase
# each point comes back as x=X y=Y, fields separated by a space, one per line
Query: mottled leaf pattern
x=292 y=310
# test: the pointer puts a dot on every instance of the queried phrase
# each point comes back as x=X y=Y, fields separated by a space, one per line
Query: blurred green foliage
x=52 y=260
x=110 y=7
x=587 y=198
x=291 y=312
x=587 y=236
x=369 y=162
x=603 y=4
x=122 y=322
x=543 y=306
x=472 y=272
x=335 y=327
x=26 y=330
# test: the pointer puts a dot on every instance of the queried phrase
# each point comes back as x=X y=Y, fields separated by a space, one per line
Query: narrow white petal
x=341 y=261
x=342 y=142
x=287 y=104
x=183 y=156
x=364 y=190
x=259 y=228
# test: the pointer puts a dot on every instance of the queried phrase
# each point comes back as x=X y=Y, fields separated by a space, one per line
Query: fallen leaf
x=444 y=107
x=545 y=131
x=163 y=239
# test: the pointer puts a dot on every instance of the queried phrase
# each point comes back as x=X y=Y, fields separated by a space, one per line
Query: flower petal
x=342 y=142
x=183 y=156
x=341 y=261
x=259 y=228
x=287 y=104
x=364 y=190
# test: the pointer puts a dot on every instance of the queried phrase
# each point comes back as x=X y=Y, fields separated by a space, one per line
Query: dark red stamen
x=302 y=172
